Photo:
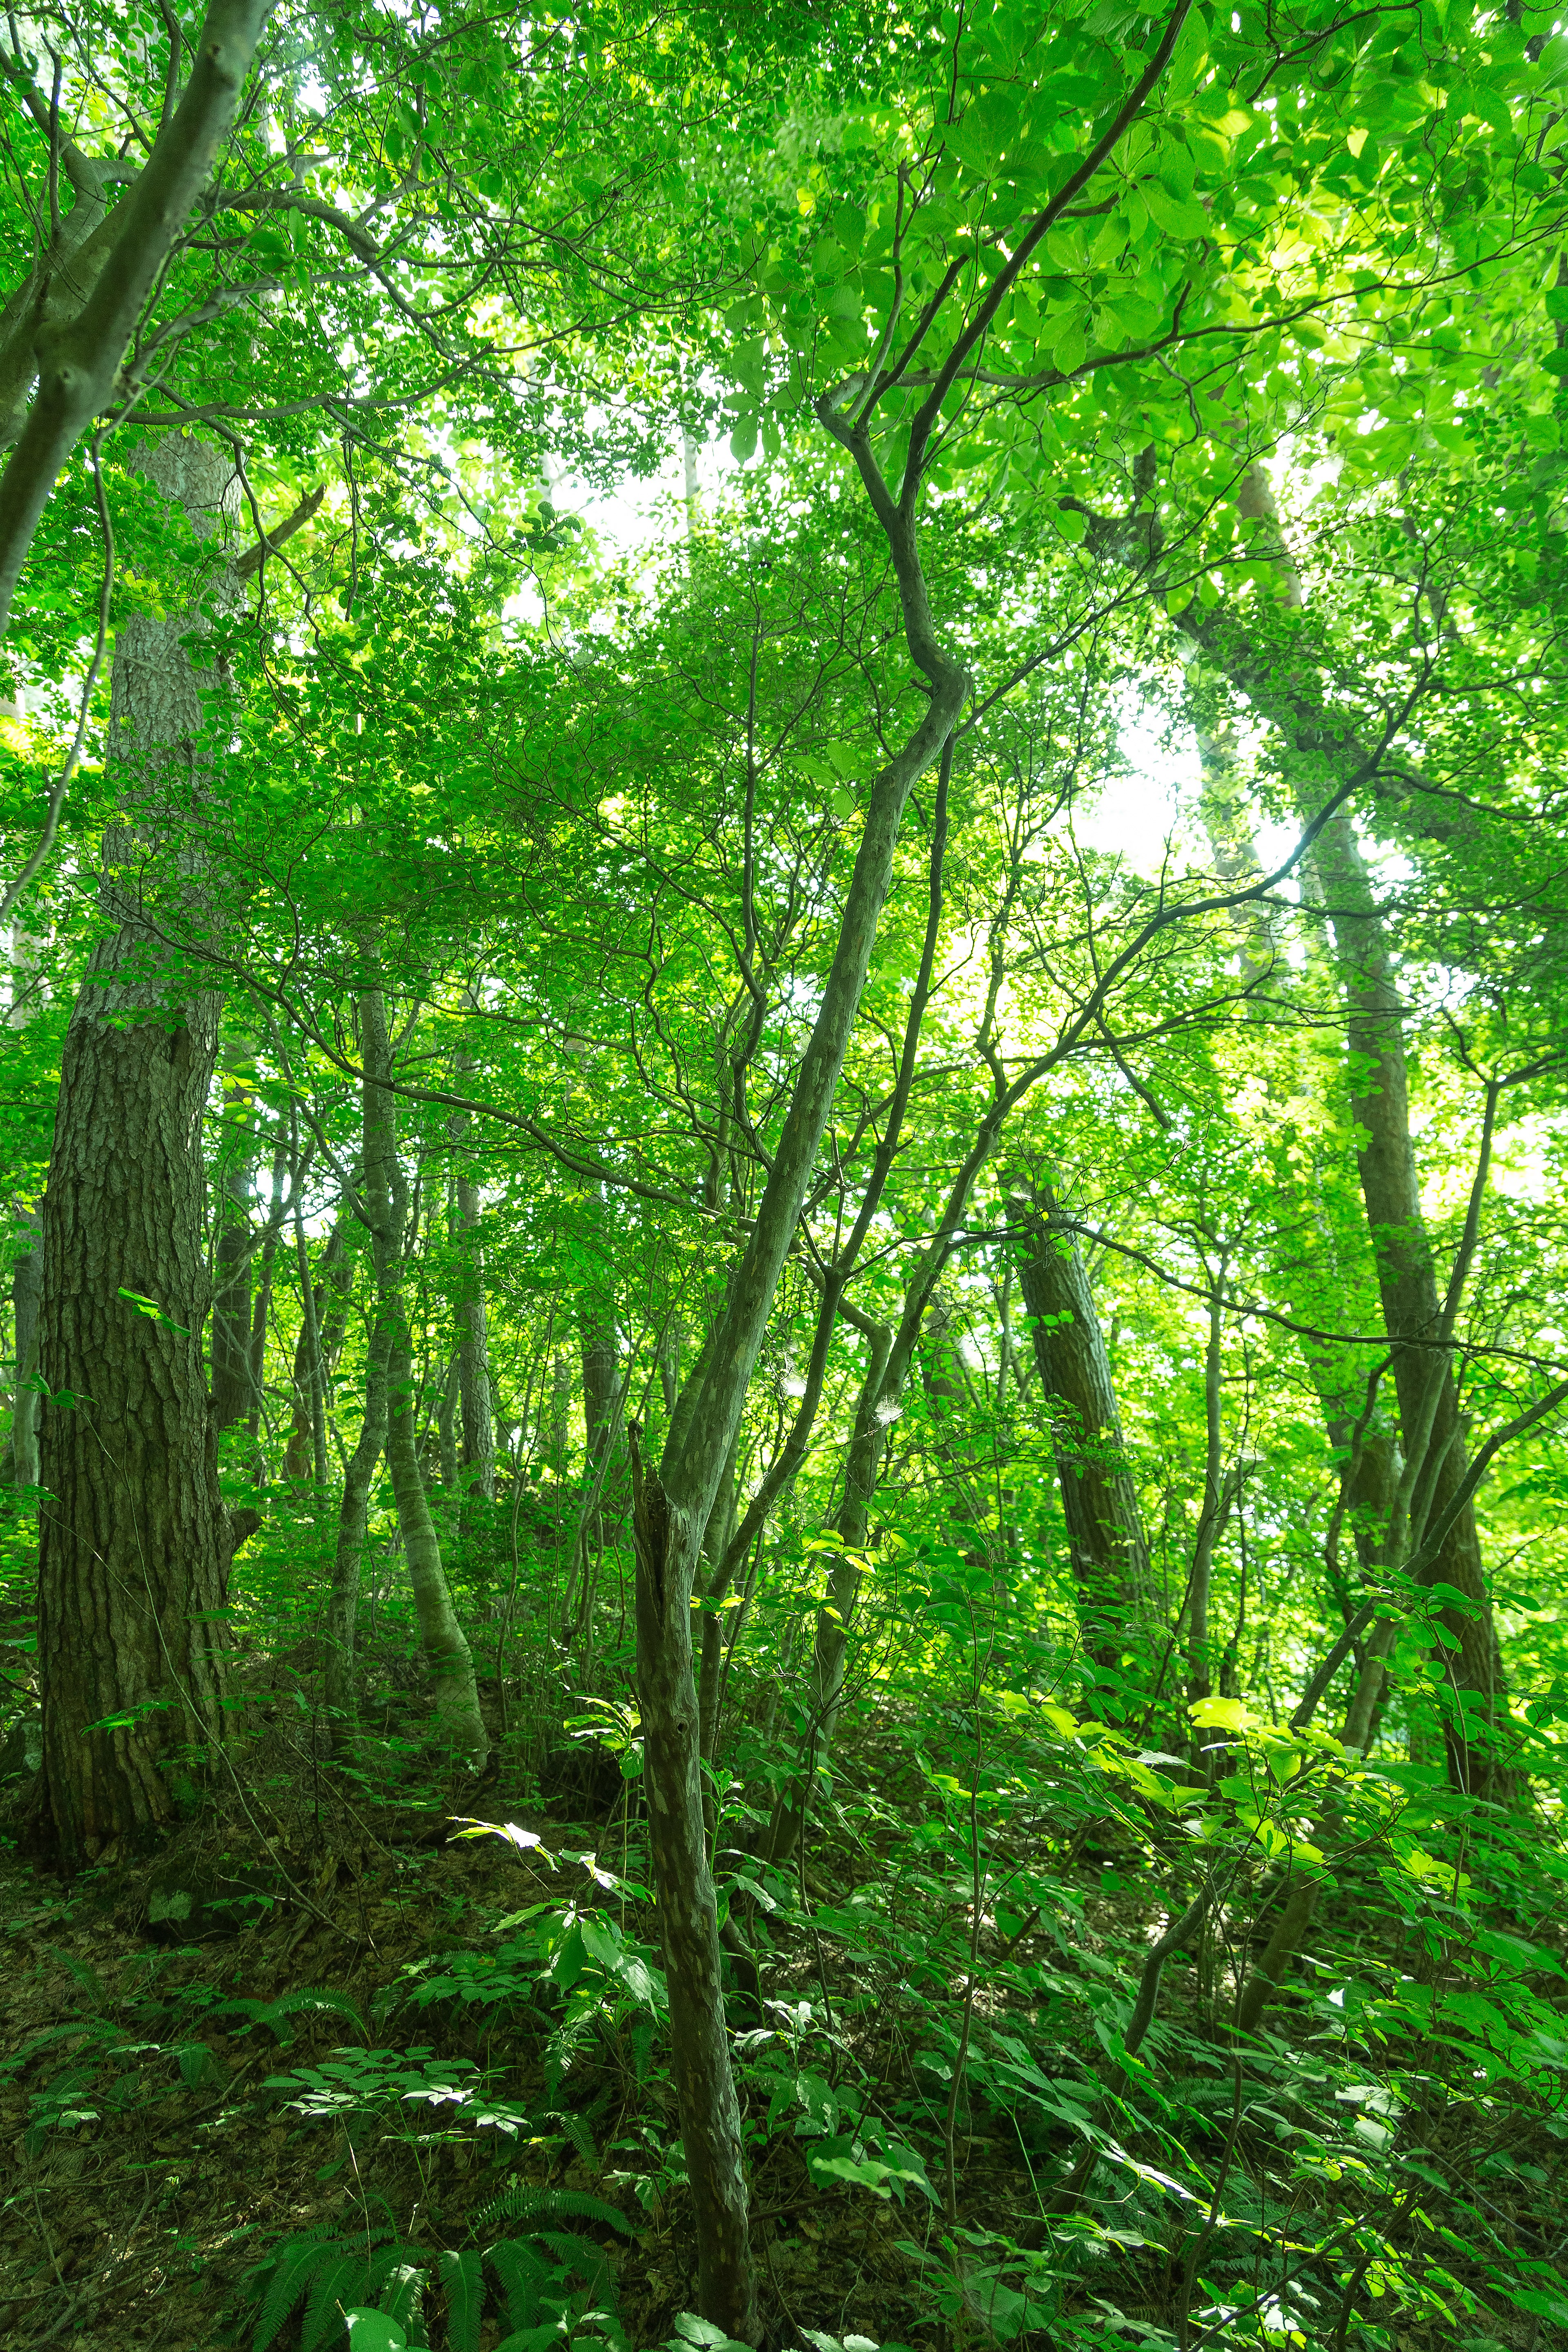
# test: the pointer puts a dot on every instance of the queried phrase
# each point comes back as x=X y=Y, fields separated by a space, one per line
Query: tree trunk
x=26 y=1296
x=672 y=1507
x=1100 y=1500
x=447 y=1655
x=359 y=1478
x=601 y=1381
x=1287 y=690
x=323 y=1323
x=231 y=1279
x=1412 y=1310
x=261 y=1313
x=447 y=1426
x=476 y=1404
x=133 y=1543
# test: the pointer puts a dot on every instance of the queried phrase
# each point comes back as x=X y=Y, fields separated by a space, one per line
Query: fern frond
x=399 y=2291
x=462 y=2275
x=576 y=2127
x=256 y=2011
x=336 y=2284
x=309 y=1997
x=292 y=2268
x=524 y=2202
x=521 y=2271
x=589 y=2260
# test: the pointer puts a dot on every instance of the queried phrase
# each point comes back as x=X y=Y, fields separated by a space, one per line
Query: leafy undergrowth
x=331 y=2052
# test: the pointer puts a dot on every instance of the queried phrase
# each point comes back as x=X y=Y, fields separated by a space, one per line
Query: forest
x=783 y=889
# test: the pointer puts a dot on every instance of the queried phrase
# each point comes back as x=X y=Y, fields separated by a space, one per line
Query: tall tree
x=133 y=1542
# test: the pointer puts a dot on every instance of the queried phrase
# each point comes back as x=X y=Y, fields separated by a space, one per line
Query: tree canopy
x=782 y=845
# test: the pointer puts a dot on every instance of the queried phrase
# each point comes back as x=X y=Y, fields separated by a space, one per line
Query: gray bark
x=448 y=1658
x=672 y=1506
x=476 y=1404
x=354 y=1518
x=133 y=1551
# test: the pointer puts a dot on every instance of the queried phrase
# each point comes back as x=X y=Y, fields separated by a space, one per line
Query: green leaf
x=1222 y=1714
x=462 y=2278
x=372 y=2331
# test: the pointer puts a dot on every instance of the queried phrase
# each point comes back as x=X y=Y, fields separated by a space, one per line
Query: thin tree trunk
x=230 y=1349
x=317 y=1350
x=672 y=1506
x=447 y=1655
x=348 y=1565
x=447 y=1426
x=256 y=1352
x=476 y=1403
x=133 y=1552
x=1322 y=746
x=27 y=1297
x=1106 y=1543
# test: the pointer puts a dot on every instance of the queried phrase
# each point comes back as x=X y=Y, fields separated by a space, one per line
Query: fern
x=523 y=2202
x=643 y=2038
x=397 y=2286
x=576 y=2127
x=334 y=2284
x=312 y=1996
x=292 y=2269
x=574 y=2254
x=462 y=2275
x=522 y=2272
x=256 y=2012
x=326 y=2274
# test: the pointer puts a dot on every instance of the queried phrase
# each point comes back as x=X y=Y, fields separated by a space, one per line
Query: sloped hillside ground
x=324 y=2047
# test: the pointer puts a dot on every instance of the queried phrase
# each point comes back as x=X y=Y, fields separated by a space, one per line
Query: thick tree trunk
x=133 y=1546
x=1106 y=1545
x=447 y=1655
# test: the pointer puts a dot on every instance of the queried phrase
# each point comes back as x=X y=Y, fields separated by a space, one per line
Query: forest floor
x=153 y=2167
x=148 y=2011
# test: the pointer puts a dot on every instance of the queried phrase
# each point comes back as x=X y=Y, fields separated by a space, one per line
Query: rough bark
x=1106 y=1543
x=133 y=1548
x=460 y=1725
